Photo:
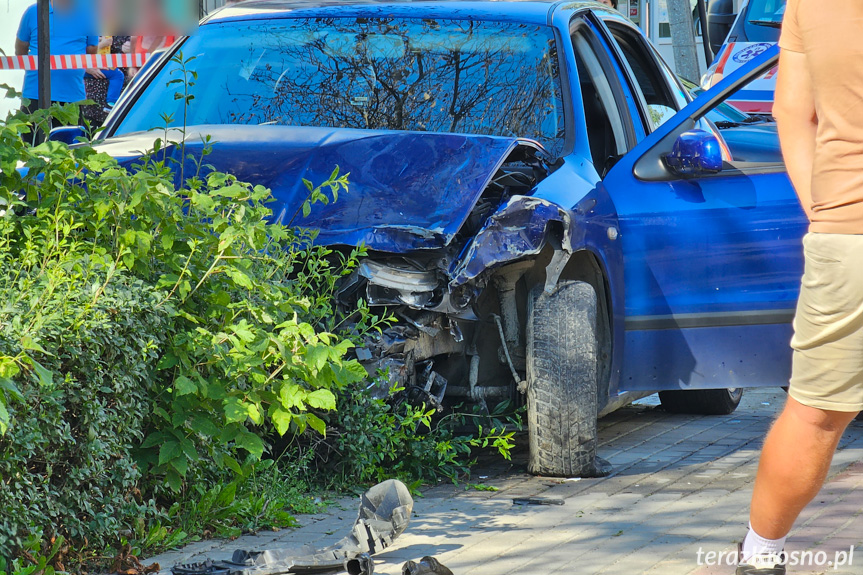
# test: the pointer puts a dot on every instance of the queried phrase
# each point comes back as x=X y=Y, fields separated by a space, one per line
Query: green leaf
x=317 y=355
x=167 y=361
x=239 y=278
x=317 y=424
x=321 y=399
x=243 y=332
x=235 y=410
x=173 y=479
x=229 y=433
x=169 y=450
x=216 y=391
x=255 y=414
x=160 y=411
x=181 y=464
x=204 y=426
x=45 y=376
x=251 y=443
x=189 y=449
x=28 y=344
x=203 y=201
x=232 y=464
x=291 y=396
x=153 y=439
x=4 y=418
x=8 y=387
x=282 y=420
x=184 y=386
x=226 y=496
x=233 y=191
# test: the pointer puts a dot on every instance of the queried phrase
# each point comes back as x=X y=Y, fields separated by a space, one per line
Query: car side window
x=606 y=131
x=659 y=95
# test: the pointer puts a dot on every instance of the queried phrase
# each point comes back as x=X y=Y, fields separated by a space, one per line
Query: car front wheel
x=562 y=372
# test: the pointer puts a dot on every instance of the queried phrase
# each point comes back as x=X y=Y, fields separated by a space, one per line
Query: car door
x=712 y=263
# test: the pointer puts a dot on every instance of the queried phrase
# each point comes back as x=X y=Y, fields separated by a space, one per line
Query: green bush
x=374 y=439
x=66 y=457
x=151 y=337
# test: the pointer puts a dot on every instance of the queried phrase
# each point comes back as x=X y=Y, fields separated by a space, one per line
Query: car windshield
x=385 y=74
x=765 y=12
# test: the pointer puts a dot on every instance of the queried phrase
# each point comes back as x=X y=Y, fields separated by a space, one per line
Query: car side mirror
x=695 y=153
x=67 y=134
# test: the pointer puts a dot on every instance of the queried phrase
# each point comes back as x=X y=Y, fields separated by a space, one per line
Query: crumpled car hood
x=407 y=190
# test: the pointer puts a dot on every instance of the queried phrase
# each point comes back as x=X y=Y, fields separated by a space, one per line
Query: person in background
x=68 y=36
x=99 y=89
x=115 y=77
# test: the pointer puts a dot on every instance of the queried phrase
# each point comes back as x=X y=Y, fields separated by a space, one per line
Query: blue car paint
x=712 y=271
x=408 y=190
x=695 y=152
x=738 y=234
x=754 y=142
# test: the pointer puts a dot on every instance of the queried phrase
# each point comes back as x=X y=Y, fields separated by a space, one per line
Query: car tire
x=701 y=401
x=562 y=371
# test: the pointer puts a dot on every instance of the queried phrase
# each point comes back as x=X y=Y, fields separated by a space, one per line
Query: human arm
x=92 y=45
x=25 y=34
x=797 y=122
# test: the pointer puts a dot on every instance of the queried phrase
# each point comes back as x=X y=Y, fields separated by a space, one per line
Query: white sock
x=754 y=544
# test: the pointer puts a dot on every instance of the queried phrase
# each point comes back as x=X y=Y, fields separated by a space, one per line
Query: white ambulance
x=755 y=29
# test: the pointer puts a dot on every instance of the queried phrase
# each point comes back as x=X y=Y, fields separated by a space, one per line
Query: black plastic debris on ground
x=426 y=566
x=384 y=514
x=537 y=501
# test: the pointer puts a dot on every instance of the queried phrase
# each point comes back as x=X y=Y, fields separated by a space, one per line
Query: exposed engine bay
x=456 y=340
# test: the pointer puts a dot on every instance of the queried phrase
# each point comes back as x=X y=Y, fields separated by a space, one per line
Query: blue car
x=549 y=217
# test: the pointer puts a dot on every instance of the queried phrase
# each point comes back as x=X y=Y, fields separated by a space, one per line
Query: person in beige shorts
x=819 y=112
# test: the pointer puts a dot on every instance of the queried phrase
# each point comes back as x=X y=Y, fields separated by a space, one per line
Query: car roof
x=527 y=11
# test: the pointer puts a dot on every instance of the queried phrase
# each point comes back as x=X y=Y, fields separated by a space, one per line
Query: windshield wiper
x=768 y=23
x=724 y=125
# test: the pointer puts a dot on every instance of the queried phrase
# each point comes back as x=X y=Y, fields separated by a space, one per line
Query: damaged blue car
x=549 y=217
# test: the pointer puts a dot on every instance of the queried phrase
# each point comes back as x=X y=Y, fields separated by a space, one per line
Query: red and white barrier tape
x=75 y=61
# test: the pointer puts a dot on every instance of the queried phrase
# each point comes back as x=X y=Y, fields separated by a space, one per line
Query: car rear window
x=459 y=76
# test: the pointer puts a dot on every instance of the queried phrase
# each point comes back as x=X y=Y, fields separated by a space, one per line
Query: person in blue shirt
x=69 y=35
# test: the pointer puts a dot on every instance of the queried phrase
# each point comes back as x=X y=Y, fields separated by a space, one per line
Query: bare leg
x=794 y=463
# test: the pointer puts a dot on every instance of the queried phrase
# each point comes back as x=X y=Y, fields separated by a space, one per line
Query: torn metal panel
x=518 y=229
x=384 y=514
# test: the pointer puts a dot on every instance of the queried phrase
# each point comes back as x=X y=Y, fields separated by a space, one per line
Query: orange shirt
x=830 y=34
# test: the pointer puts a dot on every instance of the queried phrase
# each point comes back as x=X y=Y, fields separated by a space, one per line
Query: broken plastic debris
x=362 y=564
x=384 y=514
x=426 y=566
x=537 y=501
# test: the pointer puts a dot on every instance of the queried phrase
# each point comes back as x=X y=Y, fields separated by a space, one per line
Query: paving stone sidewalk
x=681 y=485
